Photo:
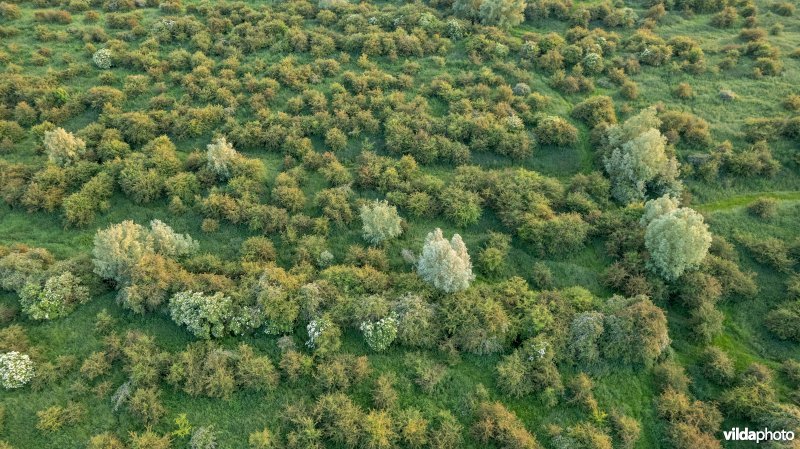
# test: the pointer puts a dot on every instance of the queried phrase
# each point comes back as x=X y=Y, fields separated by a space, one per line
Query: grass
x=632 y=391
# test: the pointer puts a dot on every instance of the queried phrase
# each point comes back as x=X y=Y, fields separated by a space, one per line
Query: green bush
x=595 y=110
x=765 y=208
x=552 y=130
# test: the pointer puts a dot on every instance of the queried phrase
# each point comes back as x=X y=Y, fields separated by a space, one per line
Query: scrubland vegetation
x=448 y=224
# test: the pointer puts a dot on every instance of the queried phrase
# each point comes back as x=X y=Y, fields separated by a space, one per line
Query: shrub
x=677 y=241
x=221 y=156
x=263 y=439
x=183 y=185
x=447 y=434
x=96 y=365
x=553 y=130
x=785 y=9
x=379 y=335
x=54 y=418
x=584 y=340
x=595 y=110
x=378 y=430
x=255 y=372
x=324 y=336
x=81 y=207
x=118 y=248
x=561 y=233
x=583 y=436
x=384 y=395
x=22 y=265
x=150 y=440
x=57 y=298
x=492 y=257
x=684 y=91
x=145 y=404
x=445 y=265
x=460 y=206
x=381 y=222
x=765 y=208
x=102 y=58
x=638 y=159
x=204 y=316
x=9 y=11
x=512 y=373
x=105 y=440
x=335 y=204
x=671 y=375
x=717 y=366
x=627 y=429
x=502 y=13
x=203 y=438
x=498 y=425
x=62 y=147
x=785 y=321
x=417 y=325
x=16 y=369
x=636 y=334
x=725 y=18
x=428 y=375
x=792 y=103
x=771 y=251
x=335 y=139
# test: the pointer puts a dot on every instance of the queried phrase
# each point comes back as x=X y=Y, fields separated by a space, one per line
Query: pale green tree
x=221 y=156
x=120 y=246
x=502 y=13
x=638 y=162
x=657 y=207
x=169 y=243
x=62 y=147
x=677 y=241
x=467 y=9
x=381 y=222
x=445 y=265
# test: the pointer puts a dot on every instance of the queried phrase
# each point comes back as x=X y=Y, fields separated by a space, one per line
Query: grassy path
x=742 y=200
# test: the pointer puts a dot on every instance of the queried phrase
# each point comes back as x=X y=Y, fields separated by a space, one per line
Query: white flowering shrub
x=220 y=156
x=204 y=316
x=455 y=29
x=62 y=147
x=314 y=328
x=324 y=336
x=102 y=58
x=445 y=265
x=57 y=298
x=380 y=334
x=593 y=63
x=16 y=369
x=514 y=123
x=381 y=222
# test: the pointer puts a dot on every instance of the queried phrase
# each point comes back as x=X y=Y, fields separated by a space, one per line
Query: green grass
x=722 y=201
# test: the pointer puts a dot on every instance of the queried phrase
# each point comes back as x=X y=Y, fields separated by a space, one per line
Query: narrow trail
x=743 y=200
